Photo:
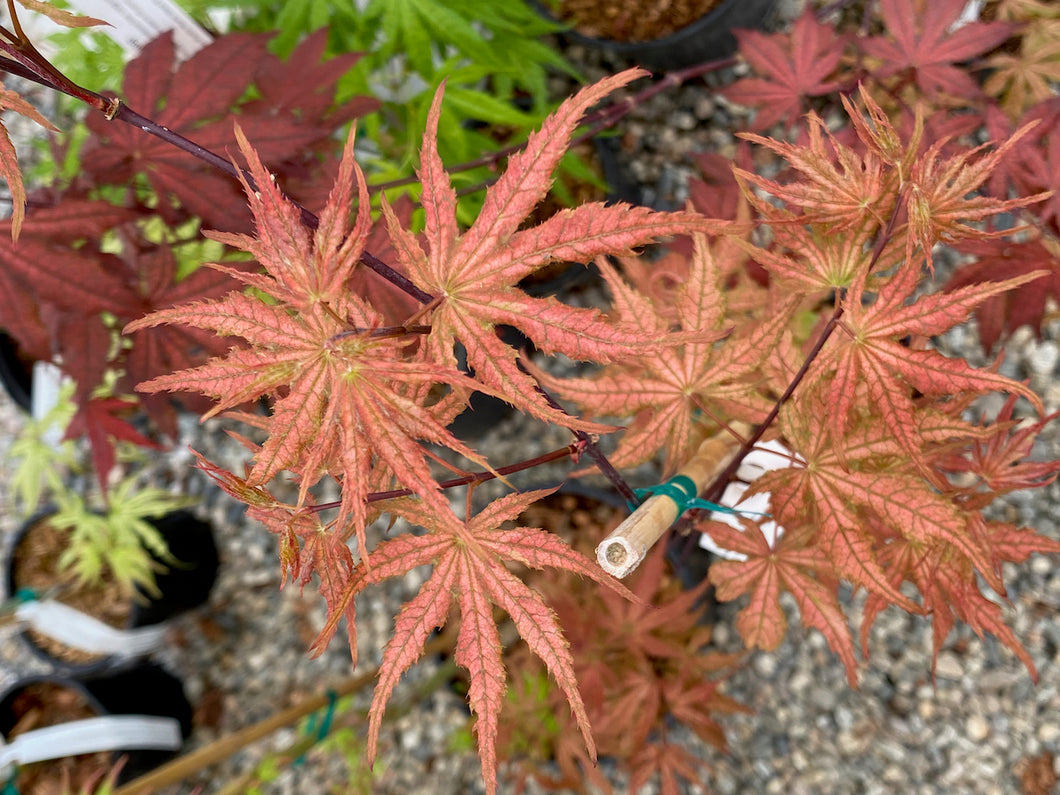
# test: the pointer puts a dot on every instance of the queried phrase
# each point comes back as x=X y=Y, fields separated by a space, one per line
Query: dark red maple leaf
x=793 y=67
x=200 y=99
x=998 y=259
x=922 y=38
x=166 y=349
x=100 y=420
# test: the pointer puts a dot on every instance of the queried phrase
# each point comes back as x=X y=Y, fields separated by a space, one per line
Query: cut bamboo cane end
x=617 y=557
x=624 y=549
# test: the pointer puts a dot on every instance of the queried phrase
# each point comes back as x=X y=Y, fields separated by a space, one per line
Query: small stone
x=1041 y=565
x=765 y=665
x=721 y=635
x=684 y=120
x=926 y=710
x=977 y=728
x=949 y=667
x=1042 y=358
x=704 y=108
x=1049 y=733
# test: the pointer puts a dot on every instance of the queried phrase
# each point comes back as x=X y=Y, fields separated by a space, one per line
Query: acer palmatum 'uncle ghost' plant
x=354 y=398
x=886 y=480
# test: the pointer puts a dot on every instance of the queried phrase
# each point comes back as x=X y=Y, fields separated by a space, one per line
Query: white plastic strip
x=82 y=631
x=764 y=458
x=109 y=733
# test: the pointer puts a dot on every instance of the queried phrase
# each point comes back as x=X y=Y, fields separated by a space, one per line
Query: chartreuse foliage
x=109 y=538
x=490 y=55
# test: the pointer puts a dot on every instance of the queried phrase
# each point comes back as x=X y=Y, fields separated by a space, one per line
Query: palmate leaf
x=469 y=569
x=871 y=353
x=792 y=564
x=922 y=37
x=343 y=406
x=290 y=118
x=663 y=392
x=791 y=68
x=473 y=275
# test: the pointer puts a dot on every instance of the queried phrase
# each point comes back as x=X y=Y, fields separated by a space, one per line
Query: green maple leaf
x=469 y=569
x=473 y=275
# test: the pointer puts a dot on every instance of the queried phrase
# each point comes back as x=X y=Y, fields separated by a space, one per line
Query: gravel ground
x=983 y=727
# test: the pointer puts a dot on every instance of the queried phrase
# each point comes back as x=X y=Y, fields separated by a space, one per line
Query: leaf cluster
x=109 y=539
x=119 y=239
x=996 y=74
x=490 y=56
x=798 y=301
x=643 y=672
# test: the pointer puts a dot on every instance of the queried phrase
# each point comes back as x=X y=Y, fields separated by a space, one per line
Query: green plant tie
x=682 y=490
x=311 y=727
x=10 y=788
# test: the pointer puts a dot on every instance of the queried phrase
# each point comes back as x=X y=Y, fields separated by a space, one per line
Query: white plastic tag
x=108 y=733
x=136 y=22
x=764 y=458
x=82 y=631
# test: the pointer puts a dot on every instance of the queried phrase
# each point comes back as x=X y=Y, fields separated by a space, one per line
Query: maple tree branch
x=569 y=451
x=309 y=219
x=717 y=486
x=597 y=122
x=593 y=451
x=25 y=61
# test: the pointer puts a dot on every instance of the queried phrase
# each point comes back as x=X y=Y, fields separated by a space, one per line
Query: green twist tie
x=320 y=731
x=10 y=788
x=682 y=490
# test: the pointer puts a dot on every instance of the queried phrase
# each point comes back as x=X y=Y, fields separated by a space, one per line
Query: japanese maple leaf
x=1026 y=78
x=942 y=196
x=835 y=184
x=847 y=483
x=196 y=100
x=999 y=462
x=922 y=37
x=160 y=350
x=9 y=169
x=473 y=276
x=793 y=67
x=950 y=588
x=870 y=353
x=791 y=564
x=1002 y=258
x=342 y=389
x=100 y=420
x=469 y=569
x=665 y=391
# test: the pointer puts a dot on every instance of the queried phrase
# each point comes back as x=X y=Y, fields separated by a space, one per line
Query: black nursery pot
x=183 y=586
x=144 y=689
x=707 y=39
x=16 y=373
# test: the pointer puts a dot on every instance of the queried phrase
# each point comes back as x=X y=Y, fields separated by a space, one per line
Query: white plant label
x=136 y=22
x=764 y=458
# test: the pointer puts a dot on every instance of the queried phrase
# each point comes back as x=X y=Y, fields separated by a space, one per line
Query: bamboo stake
x=628 y=544
x=183 y=766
